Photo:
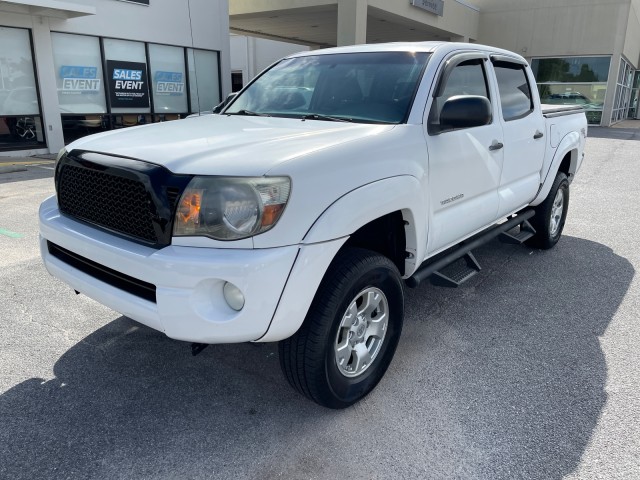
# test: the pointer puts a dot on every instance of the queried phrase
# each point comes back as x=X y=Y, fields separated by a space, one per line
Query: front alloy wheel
x=361 y=332
x=350 y=333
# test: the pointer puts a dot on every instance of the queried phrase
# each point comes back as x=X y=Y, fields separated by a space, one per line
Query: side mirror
x=218 y=108
x=465 y=111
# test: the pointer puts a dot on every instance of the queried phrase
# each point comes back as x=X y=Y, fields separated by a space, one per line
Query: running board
x=457 y=272
x=464 y=249
x=526 y=232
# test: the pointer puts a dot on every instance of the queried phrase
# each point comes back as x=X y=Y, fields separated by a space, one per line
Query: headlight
x=226 y=208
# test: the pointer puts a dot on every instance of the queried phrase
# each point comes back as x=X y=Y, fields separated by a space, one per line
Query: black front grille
x=110 y=201
x=130 y=197
x=107 y=275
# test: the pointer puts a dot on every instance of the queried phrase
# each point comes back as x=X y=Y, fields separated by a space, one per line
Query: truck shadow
x=503 y=378
x=515 y=357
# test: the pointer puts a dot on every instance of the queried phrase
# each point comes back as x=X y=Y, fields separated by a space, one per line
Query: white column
x=461 y=38
x=352 y=22
x=46 y=74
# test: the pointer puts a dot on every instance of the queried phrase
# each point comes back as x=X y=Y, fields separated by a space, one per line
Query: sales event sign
x=169 y=83
x=128 y=86
x=77 y=79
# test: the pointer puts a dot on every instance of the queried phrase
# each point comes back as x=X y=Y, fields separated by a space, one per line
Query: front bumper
x=189 y=281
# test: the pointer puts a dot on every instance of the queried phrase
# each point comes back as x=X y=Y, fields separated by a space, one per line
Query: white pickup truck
x=300 y=213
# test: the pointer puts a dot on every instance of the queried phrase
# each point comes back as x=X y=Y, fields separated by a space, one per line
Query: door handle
x=538 y=135
x=496 y=145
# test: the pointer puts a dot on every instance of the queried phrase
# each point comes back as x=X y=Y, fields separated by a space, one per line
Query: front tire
x=350 y=333
x=551 y=215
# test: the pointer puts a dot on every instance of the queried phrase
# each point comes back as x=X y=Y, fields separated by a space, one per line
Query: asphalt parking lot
x=530 y=370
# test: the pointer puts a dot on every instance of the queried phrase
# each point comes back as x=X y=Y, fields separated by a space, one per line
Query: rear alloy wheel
x=551 y=215
x=350 y=333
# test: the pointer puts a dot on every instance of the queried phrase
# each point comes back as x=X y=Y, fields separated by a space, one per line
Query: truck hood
x=225 y=145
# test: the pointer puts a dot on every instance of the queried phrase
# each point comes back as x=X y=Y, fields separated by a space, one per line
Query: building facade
x=582 y=52
x=251 y=55
x=71 y=68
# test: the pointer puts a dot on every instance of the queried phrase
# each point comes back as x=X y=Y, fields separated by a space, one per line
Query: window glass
x=466 y=79
x=18 y=94
x=78 y=67
x=574 y=81
x=127 y=80
x=515 y=94
x=204 y=83
x=168 y=79
x=359 y=87
x=590 y=96
x=236 y=81
x=21 y=132
x=571 y=69
x=623 y=103
x=20 y=122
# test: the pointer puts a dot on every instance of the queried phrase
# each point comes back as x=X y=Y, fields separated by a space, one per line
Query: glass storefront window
x=168 y=79
x=20 y=124
x=17 y=79
x=622 y=101
x=81 y=92
x=79 y=77
x=635 y=95
x=571 y=69
x=204 y=79
x=589 y=96
x=127 y=79
x=574 y=81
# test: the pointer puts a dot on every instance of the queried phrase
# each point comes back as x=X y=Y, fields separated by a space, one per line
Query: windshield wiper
x=329 y=118
x=249 y=113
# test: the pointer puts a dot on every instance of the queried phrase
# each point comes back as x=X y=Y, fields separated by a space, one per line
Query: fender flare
x=569 y=144
x=367 y=203
x=332 y=230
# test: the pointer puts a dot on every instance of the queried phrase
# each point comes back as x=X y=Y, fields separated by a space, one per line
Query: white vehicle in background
x=300 y=213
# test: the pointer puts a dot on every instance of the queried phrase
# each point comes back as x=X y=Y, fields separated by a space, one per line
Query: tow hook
x=196 y=348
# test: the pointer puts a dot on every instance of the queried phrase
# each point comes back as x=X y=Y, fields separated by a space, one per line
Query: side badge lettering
x=452 y=199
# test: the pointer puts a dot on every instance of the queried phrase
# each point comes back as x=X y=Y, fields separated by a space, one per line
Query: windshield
x=372 y=87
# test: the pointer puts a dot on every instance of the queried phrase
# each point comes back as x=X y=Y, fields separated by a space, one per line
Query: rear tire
x=350 y=333
x=551 y=215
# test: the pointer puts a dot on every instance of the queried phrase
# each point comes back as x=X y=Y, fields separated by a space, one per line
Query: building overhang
x=314 y=22
x=46 y=8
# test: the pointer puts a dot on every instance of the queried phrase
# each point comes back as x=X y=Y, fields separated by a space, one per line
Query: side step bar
x=464 y=250
x=526 y=232
x=458 y=272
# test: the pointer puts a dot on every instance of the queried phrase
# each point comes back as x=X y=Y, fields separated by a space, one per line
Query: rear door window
x=515 y=92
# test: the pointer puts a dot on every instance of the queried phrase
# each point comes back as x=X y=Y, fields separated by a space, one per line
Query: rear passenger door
x=464 y=164
x=524 y=129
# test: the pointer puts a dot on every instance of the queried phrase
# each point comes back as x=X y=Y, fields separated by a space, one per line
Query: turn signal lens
x=189 y=208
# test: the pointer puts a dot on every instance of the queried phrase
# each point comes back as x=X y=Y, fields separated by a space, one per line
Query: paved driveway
x=530 y=370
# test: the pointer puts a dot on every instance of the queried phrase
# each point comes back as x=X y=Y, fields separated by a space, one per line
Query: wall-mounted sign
x=169 y=83
x=128 y=86
x=433 y=6
x=78 y=79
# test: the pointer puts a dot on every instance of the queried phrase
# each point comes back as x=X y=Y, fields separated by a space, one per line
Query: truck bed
x=550 y=111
